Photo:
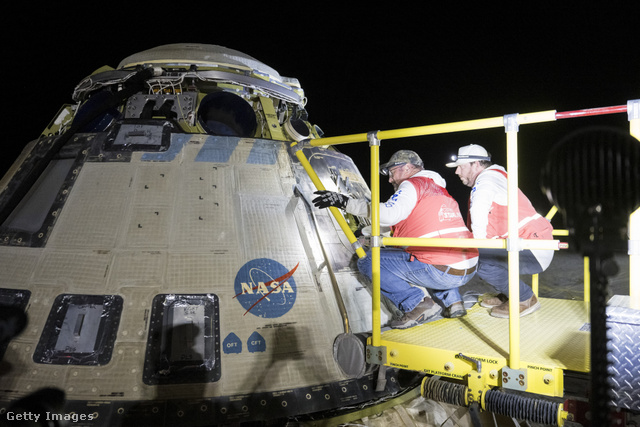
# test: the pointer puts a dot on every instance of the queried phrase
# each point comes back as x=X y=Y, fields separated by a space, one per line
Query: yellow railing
x=512 y=244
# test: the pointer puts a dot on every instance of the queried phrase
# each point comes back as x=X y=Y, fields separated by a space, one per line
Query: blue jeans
x=493 y=268
x=397 y=271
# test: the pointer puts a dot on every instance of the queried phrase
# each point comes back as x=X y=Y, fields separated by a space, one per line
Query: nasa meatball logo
x=265 y=288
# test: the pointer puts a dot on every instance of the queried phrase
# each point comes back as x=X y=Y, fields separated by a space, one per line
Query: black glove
x=326 y=199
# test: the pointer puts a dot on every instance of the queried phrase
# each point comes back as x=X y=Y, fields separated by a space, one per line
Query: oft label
x=256 y=343
x=265 y=288
x=232 y=344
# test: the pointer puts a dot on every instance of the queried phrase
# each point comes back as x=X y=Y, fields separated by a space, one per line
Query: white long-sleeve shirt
x=399 y=205
x=488 y=212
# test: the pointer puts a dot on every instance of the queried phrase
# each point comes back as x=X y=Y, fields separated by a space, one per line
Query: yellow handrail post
x=556 y=232
x=513 y=240
x=587 y=280
x=552 y=212
x=374 y=143
x=633 y=112
x=334 y=211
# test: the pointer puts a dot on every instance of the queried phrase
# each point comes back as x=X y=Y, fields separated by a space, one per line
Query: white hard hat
x=468 y=154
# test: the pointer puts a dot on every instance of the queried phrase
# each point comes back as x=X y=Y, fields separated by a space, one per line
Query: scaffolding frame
x=513 y=244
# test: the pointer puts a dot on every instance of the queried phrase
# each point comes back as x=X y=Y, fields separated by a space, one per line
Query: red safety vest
x=531 y=225
x=436 y=214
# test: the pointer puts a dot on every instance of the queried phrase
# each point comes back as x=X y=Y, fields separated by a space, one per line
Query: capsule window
x=226 y=114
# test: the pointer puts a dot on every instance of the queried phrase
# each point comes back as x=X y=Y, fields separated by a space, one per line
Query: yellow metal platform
x=553 y=339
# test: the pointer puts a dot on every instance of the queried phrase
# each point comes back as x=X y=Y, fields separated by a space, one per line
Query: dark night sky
x=362 y=69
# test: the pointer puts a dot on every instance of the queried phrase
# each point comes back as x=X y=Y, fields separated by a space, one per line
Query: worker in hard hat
x=420 y=207
x=488 y=220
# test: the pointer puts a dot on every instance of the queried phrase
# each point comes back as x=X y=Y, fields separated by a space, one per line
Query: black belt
x=455 y=271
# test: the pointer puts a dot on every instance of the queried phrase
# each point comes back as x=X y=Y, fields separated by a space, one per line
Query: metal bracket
x=299 y=145
x=514 y=244
x=376 y=241
x=514 y=379
x=476 y=386
x=376 y=355
x=476 y=383
x=633 y=109
x=372 y=137
x=511 y=123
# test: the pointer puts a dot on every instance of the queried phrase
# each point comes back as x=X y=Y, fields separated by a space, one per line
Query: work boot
x=526 y=307
x=423 y=312
x=490 y=301
x=454 y=310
